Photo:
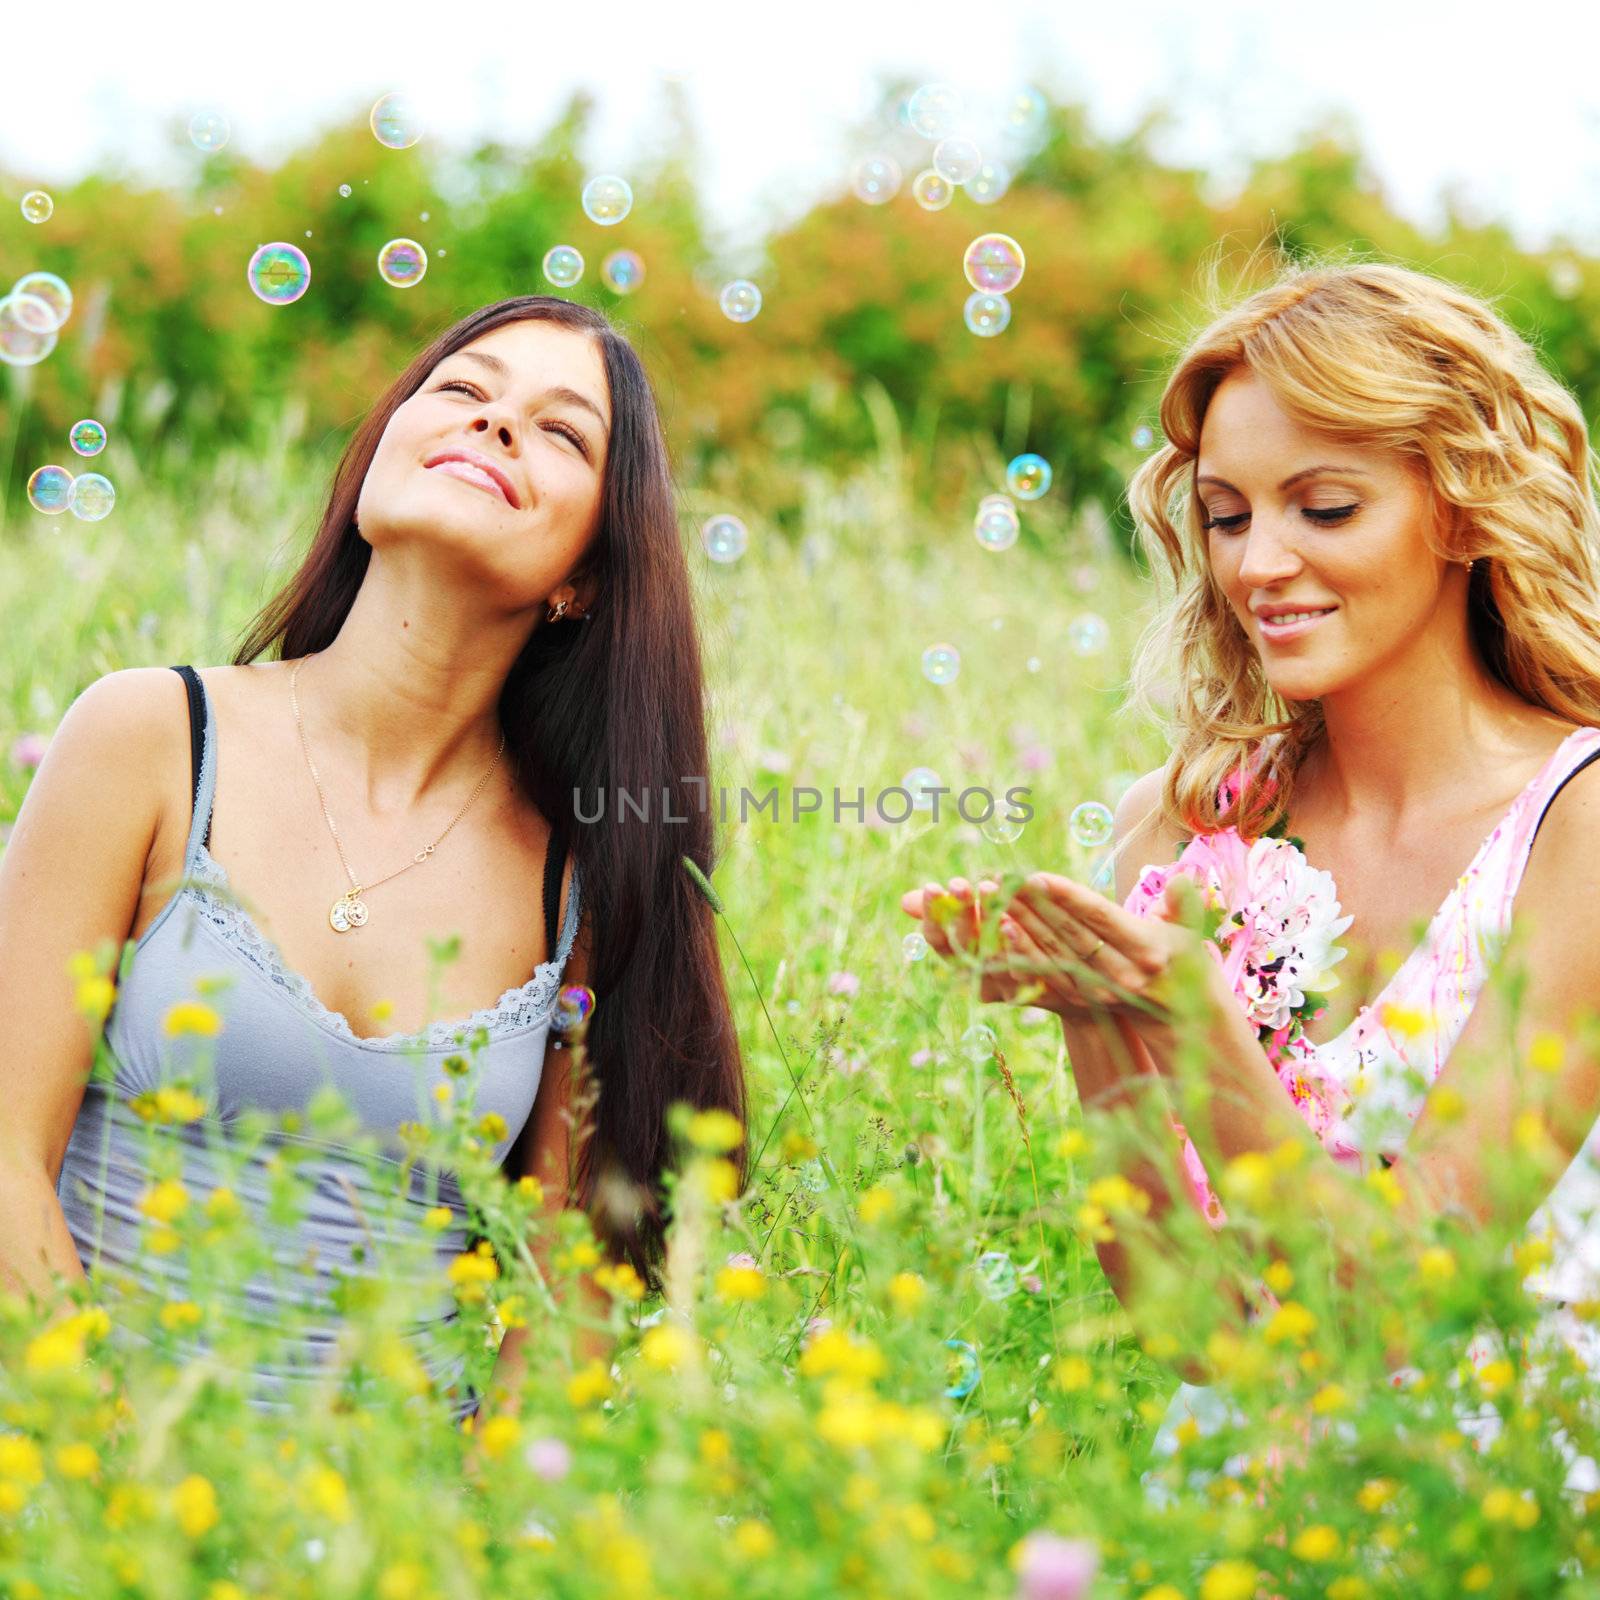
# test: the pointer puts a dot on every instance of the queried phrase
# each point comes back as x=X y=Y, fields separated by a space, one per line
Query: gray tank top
x=277 y=1047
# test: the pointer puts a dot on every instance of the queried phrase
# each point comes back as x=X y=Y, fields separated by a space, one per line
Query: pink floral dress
x=1367 y=1086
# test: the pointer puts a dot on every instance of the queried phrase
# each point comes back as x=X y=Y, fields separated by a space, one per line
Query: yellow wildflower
x=194 y=1503
x=1528 y=1132
x=1095 y=1223
x=443 y=1093
x=1447 y=1104
x=20 y=1460
x=715 y=1447
x=1437 y=1264
x=328 y=1493
x=174 y=1103
x=1073 y=1373
x=719 y=1179
x=1477 y=1577
x=1115 y=1193
x=1291 y=1321
x=1279 y=1277
x=668 y=1346
x=93 y=997
x=589 y=1385
x=876 y=1203
x=1547 y=1052
x=1229 y=1580
x=439 y=1217
x=492 y=1126
x=180 y=1314
x=165 y=1201
x=754 y=1540
x=531 y=1189
x=834 y=1351
x=1376 y=1494
x=1248 y=1178
x=620 y=1279
x=907 y=1290
x=740 y=1283
x=581 y=1255
x=222 y=1203
x=77 y=1460
x=1330 y=1397
x=1493 y=1376
x=1072 y=1144
x=715 y=1131
x=1317 y=1543
x=499 y=1433
x=1387 y=1186
x=1406 y=1021
x=190 y=1016
x=381 y=1010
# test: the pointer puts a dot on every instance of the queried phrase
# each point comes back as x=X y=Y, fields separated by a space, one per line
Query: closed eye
x=556 y=427
x=1325 y=517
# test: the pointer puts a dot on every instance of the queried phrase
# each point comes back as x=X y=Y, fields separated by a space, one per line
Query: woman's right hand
x=958 y=933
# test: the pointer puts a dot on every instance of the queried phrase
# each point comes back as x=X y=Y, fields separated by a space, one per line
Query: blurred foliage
x=168 y=346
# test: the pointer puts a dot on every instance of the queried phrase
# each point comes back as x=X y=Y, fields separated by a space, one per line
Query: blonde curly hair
x=1394 y=359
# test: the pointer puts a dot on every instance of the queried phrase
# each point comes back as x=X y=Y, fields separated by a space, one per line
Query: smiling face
x=1298 y=519
x=528 y=407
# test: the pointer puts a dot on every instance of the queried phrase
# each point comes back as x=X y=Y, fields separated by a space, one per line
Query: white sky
x=1499 y=102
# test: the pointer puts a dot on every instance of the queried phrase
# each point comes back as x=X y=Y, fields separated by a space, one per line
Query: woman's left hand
x=1059 y=927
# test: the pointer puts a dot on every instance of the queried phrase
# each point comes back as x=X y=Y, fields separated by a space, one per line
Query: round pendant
x=347 y=912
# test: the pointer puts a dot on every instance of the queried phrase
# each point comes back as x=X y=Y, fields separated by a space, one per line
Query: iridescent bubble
x=997 y=526
x=1001 y=829
x=1033 y=663
x=934 y=110
x=1090 y=824
x=996 y=500
x=740 y=300
x=957 y=158
x=22 y=343
x=402 y=262
x=279 y=273
x=941 y=663
x=208 y=130
x=963 y=1370
x=622 y=271
x=1088 y=635
x=563 y=265
x=812 y=1177
x=1028 y=477
x=37 y=206
x=994 y=263
x=396 y=123
x=913 y=947
x=997 y=1275
x=573 y=1008
x=1144 y=436
x=978 y=1042
x=607 y=200
x=1025 y=114
x=876 y=180
x=88 y=437
x=50 y=490
x=92 y=497
x=725 y=537
x=918 y=783
x=52 y=290
x=989 y=183
x=344 y=191
x=1104 y=876
x=931 y=191
x=986 y=314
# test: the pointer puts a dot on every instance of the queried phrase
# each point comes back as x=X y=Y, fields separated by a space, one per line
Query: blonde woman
x=1377 y=515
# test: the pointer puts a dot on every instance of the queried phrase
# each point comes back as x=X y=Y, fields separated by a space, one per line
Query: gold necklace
x=350 y=910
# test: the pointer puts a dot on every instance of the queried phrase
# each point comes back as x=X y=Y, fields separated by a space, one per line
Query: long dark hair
x=613 y=704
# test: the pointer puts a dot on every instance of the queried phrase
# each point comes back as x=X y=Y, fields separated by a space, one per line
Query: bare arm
x=70 y=877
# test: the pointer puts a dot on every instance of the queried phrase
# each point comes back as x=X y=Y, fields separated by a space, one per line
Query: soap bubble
x=994 y=263
x=50 y=490
x=1144 y=436
x=989 y=183
x=986 y=314
x=1033 y=663
x=573 y=1008
x=740 y=300
x=978 y=1042
x=344 y=191
x=1090 y=824
x=37 y=206
x=88 y=437
x=396 y=123
x=812 y=1177
x=997 y=525
x=1028 y=477
x=1104 y=876
x=934 y=110
x=997 y=1275
x=208 y=130
x=622 y=271
x=914 y=947
x=46 y=286
x=279 y=273
x=1001 y=829
x=1088 y=635
x=725 y=537
x=957 y=159
x=876 y=180
x=917 y=782
x=92 y=497
x=963 y=1370
x=931 y=191
x=941 y=663
x=26 y=334
x=563 y=265
x=1025 y=113
x=607 y=200
x=402 y=262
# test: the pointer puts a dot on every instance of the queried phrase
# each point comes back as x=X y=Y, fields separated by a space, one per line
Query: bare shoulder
x=1138 y=830
x=1563 y=853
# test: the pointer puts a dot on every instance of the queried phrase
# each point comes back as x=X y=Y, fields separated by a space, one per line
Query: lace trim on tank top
x=517 y=1008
